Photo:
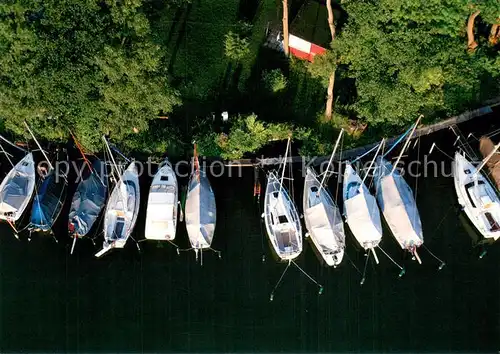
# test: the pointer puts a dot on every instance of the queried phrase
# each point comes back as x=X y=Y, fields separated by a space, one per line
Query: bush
x=236 y=47
x=274 y=80
x=248 y=134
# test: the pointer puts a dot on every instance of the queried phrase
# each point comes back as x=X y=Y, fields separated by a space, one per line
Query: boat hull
x=200 y=211
x=161 y=215
x=122 y=209
x=282 y=221
x=17 y=189
x=323 y=221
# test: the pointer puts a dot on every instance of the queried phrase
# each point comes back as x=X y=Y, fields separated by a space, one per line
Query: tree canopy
x=86 y=65
x=104 y=67
x=410 y=57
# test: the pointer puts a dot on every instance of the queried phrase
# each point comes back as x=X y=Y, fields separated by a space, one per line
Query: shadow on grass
x=180 y=38
x=301 y=101
x=248 y=9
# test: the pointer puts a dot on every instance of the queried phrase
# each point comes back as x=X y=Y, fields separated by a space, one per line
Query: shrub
x=274 y=80
x=236 y=47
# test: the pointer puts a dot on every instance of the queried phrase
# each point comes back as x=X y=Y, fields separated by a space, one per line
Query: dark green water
x=159 y=301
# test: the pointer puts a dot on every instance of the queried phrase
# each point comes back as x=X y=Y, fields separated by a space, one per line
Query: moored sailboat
x=322 y=216
x=361 y=209
x=122 y=208
x=281 y=218
x=200 y=210
x=49 y=196
x=88 y=200
x=477 y=196
x=397 y=203
x=282 y=222
x=17 y=189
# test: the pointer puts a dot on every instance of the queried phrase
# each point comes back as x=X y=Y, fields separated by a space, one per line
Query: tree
x=86 y=65
x=285 y=27
x=331 y=79
x=246 y=135
x=410 y=57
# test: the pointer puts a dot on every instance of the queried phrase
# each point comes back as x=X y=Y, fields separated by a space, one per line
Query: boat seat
x=284 y=239
x=494 y=226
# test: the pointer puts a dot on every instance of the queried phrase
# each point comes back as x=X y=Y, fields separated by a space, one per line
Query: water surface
x=157 y=300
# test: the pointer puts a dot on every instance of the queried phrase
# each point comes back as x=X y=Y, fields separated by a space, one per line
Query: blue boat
x=89 y=200
x=48 y=202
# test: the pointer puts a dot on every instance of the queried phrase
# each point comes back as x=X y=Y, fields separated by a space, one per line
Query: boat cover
x=322 y=216
x=89 y=199
x=200 y=211
x=398 y=205
x=48 y=202
x=361 y=210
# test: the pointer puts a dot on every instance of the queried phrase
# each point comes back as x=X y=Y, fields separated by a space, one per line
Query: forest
x=155 y=75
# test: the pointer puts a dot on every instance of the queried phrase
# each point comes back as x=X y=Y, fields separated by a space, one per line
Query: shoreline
x=357 y=151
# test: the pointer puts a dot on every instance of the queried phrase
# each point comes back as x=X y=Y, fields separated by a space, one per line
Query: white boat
x=396 y=201
x=200 y=211
x=477 y=197
x=281 y=220
x=283 y=223
x=17 y=189
x=161 y=216
x=323 y=220
x=121 y=211
x=361 y=210
x=398 y=205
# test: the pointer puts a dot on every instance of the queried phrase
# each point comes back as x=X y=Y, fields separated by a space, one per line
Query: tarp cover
x=398 y=205
x=88 y=201
x=486 y=146
x=200 y=211
x=361 y=209
x=322 y=216
x=48 y=202
x=17 y=188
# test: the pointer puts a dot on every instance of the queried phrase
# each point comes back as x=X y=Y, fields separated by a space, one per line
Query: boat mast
x=406 y=144
x=487 y=158
x=81 y=150
x=36 y=141
x=284 y=163
x=12 y=144
x=370 y=167
x=112 y=159
x=331 y=160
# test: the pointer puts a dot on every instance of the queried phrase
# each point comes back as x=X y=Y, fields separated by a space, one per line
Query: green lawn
x=194 y=37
